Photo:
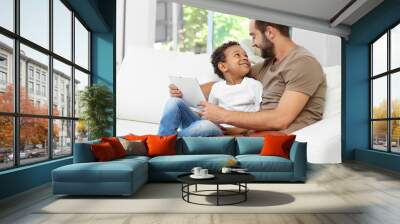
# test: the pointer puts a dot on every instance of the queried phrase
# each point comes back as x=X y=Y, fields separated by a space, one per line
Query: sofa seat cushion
x=185 y=163
x=257 y=163
x=112 y=171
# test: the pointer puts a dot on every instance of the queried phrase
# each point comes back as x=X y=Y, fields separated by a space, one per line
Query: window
x=185 y=28
x=7 y=14
x=30 y=72
x=62 y=74
x=30 y=88
x=62 y=29
x=385 y=95
x=3 y=78
x=45 y=131
x=34 y=21
x=6 y=73
x=81 y=45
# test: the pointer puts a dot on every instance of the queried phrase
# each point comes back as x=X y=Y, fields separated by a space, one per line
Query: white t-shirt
x=245 y=97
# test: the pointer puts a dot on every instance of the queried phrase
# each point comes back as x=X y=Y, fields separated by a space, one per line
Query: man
x=294 y=85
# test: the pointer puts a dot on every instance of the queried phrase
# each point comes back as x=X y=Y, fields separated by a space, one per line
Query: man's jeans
x=178 y=115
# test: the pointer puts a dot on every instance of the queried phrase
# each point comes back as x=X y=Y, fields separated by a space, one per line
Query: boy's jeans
x=178 y=115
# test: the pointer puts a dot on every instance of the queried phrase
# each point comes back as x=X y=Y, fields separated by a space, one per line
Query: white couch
x=142 y=91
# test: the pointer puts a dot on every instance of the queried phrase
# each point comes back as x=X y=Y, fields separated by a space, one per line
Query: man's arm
x=289 y=107
x=206 y=88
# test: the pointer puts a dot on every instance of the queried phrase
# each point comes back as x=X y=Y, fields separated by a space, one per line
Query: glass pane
x=395 y=136
x=62 y=29
x=81 y=45
x=193 y=36
x=6 y=74
x=81 y=131
x=81 y=81
x=62 y=138
x=395 y=47
x=35 y=21
x=379 y=98
x=228 y=27
x=34 y=72
x=62 y=89
x=33 y=139
x=395 y=94
x=379 y=135
x=379 y=55
x=7 y=14
x=6 y=142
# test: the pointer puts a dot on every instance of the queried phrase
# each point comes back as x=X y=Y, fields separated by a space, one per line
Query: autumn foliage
x=380 y=127
x=33 y=131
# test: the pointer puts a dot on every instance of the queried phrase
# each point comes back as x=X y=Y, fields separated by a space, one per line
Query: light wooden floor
x=378 y=188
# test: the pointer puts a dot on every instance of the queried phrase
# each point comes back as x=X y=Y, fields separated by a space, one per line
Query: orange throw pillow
x=116 y=145
x=103 y=152
x=277 y=145
x=161 y=145
x=136 y=137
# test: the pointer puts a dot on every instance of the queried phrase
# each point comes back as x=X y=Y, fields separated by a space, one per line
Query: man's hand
x=174 y=91
x=213 y=112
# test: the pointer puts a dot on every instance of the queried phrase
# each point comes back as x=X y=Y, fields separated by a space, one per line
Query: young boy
x=235 y=92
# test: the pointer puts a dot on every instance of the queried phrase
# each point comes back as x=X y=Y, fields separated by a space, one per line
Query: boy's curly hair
x=219 y=56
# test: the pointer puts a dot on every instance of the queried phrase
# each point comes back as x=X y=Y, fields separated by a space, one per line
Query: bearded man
x=294 y=86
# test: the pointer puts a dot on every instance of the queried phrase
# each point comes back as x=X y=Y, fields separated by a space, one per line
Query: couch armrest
x=298 y=155
x=83 y=152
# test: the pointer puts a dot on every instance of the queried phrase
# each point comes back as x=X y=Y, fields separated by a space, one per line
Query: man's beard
x=267 y=48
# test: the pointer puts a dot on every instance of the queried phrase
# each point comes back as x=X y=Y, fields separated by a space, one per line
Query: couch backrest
x=206 y=145
x=249 y=145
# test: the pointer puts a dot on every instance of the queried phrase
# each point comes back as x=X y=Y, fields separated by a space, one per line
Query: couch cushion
x=249 y=145
x=185 y=163
x=257 y=163
x=111 y=171
x=206 y=145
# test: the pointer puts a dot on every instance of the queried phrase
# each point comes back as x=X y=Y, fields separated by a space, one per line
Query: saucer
x=208 y=176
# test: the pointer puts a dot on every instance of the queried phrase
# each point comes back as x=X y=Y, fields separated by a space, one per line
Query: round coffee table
x=238 y=179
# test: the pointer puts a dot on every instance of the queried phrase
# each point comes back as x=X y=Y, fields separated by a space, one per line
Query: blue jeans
x=179 y=119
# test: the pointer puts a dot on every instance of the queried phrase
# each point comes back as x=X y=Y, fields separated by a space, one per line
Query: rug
x=167 y=198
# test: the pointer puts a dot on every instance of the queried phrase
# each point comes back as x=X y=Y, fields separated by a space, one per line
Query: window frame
x=16 y=114
x=388 y=74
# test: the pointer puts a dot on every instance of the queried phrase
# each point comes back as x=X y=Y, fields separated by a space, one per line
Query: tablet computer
x=190 y=88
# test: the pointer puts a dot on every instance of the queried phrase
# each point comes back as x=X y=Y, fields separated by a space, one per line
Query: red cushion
x=277 y=145
x=103 y=152
x=136 y=137
x=116 y=145
x=161 y=145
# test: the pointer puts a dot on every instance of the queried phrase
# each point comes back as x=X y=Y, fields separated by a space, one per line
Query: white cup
x=196 y=171
x=226 y=170
x=203 y=172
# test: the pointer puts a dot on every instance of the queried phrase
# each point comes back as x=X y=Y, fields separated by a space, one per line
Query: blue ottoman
x=118 y=177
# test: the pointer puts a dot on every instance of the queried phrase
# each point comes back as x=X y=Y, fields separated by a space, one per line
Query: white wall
x=136 y=21
x=326 y=48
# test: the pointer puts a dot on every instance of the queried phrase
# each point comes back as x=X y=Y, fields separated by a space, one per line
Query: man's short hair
x=219 y=56
x=262 y=25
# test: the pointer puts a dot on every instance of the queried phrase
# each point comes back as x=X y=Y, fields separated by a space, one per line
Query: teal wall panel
x=356 y=101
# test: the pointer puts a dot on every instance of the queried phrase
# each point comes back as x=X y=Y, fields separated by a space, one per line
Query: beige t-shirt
x=299 y=71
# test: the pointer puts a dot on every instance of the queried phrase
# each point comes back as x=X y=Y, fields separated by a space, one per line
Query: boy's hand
x=174 y=91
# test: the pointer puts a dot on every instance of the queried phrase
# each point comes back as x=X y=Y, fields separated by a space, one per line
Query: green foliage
x=193 y=36
x=97 y=110
x=229 y=28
